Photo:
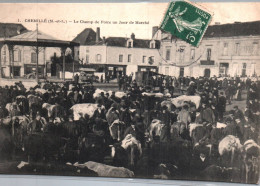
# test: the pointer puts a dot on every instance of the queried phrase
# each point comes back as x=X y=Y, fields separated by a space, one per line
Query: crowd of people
x=139 y=108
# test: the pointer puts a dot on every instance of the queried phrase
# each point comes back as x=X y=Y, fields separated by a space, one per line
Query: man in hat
x=36 y=125
x=100 y=112
x=125 y=115
x=228 y=92
x=200 y=160
x=113 y=97
x=51 y=97
x=221 y=106
x=112 y=114
x=21 y=86
x=76 y=97
x=31 y=91
x=238 y=114
x=76 y=79
x=207 y=114
x=232 y=128
x=136 y=129
x=58 y=110
x=191 y=89
x=165 y=116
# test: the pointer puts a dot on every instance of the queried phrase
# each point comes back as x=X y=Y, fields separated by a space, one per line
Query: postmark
x=186 y=21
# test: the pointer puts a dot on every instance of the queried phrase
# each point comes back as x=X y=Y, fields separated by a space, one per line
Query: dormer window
x=130 y=43
x=98 y=58
x=152 y=44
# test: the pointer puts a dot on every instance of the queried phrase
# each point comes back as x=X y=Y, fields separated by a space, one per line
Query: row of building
x=225 y=50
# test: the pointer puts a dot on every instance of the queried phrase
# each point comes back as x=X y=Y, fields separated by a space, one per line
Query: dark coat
x=221 y=106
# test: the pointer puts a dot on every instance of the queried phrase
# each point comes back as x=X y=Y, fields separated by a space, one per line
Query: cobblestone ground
x=10 y=167
x=241 y=104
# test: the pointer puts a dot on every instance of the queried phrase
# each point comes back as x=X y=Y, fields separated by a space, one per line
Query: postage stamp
x=186 y=21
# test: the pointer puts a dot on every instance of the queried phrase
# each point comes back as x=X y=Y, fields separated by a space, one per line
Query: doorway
x=207 y=72
x=181 y=72
x=223 y=69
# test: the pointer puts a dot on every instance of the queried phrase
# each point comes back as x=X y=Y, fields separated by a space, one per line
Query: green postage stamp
x=186 y=21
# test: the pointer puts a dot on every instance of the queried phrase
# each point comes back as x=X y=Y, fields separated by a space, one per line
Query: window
x=129 y=44
x=129 y=59
x=98 y=58
x=255 y=48
x=225 y=51
x=4 y=54
x=152 y=44
x=87 y=58
x=192 y=54
x=167 y=71
x=33 y=57
x=208 y=54
x=182 y=53
x=121 y=58
x=17 y=55
x=237 y=47
x=168 y=53
x=151 y=60
x=181 y=72
x=144 y=59
x=244 y=69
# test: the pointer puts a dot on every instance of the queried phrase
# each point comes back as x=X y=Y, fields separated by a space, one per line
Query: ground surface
x=10 y=167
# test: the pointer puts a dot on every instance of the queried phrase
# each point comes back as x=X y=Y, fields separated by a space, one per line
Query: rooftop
x=233 y=29
x=11 y=29
x=86 y=37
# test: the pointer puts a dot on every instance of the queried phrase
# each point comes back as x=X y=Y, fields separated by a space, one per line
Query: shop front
x=28 y=69
x=147 y=68
x=115 y=71
x=16 y=70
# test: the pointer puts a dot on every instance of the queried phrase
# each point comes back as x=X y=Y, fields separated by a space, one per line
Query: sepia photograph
x=131 y=90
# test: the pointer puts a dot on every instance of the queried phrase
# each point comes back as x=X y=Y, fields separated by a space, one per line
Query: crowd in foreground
x=180 y=139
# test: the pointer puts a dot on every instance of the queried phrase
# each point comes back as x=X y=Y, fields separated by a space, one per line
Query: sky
x=151 y=13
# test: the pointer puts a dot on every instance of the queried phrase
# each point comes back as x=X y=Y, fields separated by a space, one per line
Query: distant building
x=225 y=50
x=117 y=55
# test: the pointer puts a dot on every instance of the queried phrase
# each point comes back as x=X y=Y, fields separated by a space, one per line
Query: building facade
x=225 y=50
x=24 y=60
x=117 y=55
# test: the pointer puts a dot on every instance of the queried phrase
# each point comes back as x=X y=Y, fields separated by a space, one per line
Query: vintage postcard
x=131 y=90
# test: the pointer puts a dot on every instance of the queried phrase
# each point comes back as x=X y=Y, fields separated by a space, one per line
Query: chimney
x=154 y=30
x=97 y=34
x=217 y=23
x=133 y=36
